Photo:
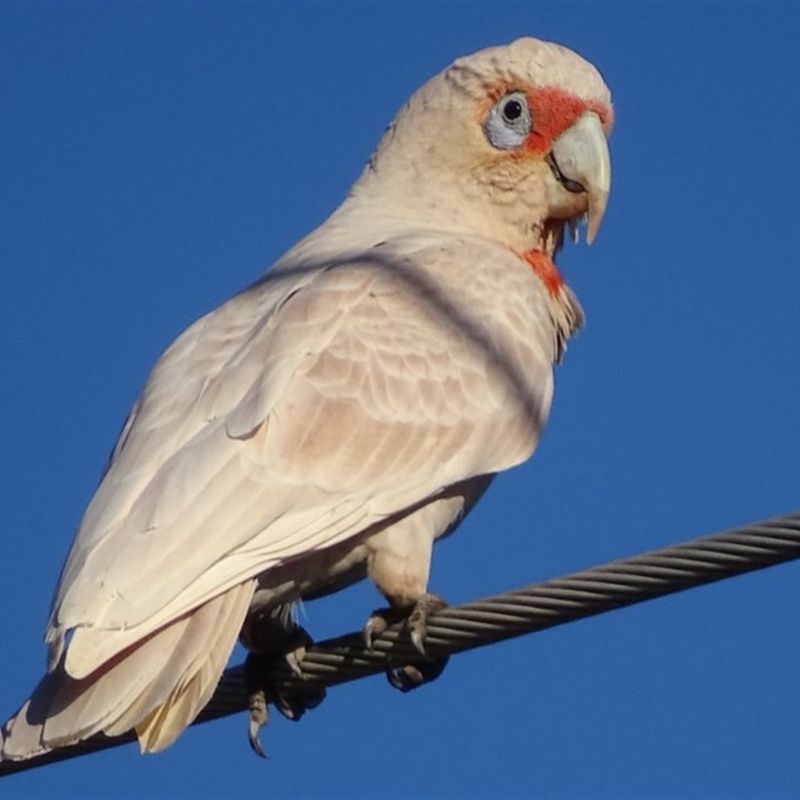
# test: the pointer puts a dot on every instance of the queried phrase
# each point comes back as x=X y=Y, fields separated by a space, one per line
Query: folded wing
x=313 y=405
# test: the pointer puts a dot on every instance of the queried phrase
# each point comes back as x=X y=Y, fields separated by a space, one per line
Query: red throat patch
x=543 y=266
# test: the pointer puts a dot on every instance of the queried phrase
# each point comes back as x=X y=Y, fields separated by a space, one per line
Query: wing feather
x=158 y=685
x=298 y=414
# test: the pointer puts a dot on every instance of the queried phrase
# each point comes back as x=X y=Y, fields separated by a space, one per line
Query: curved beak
x=581 y=163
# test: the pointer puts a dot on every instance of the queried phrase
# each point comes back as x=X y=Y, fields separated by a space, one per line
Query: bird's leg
x=269 y=635
x=398 y=563
x=416 y=617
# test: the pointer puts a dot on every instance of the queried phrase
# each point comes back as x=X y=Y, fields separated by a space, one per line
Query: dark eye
x=509 y=122
x=512 y=110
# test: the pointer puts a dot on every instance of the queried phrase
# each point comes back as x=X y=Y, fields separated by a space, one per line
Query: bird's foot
x=379 y=620
x=410 y=676
x=417 y=622
x=261 y=691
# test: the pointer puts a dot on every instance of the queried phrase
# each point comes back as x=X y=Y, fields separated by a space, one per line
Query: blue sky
x=156 y=158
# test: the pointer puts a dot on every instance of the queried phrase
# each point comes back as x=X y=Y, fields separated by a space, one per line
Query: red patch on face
x=553 y=111
x=543 y=266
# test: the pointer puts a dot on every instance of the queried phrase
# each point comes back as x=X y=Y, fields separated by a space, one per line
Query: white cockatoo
x=335 y=419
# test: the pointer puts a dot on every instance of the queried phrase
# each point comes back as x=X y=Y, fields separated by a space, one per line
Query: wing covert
x=293 y=418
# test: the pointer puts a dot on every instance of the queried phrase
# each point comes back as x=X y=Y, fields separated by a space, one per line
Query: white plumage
x=334 y=419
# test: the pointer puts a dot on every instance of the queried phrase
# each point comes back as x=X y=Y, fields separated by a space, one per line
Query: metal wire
x=505 y=616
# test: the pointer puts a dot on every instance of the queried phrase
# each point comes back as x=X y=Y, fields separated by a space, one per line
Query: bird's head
x=507 y=144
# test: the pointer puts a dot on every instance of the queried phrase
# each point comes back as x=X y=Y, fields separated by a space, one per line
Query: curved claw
x=412 y=676
x=426 y=607
x=377 y=623
x=259 y=717
x=261 y=692
x=294 y=658
x=416 y=619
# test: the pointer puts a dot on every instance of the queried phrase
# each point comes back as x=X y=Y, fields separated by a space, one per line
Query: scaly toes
x=379 y=621
x=259 y=717
x=412 y=676
x=416 y=618
x=426 y=606
x=261 y=692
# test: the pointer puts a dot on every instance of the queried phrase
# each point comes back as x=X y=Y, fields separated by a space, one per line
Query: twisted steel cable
x=505 y=616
